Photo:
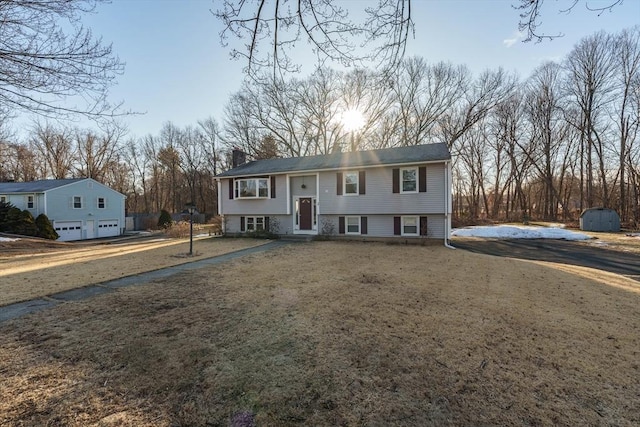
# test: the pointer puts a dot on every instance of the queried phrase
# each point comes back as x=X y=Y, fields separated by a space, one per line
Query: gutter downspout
x=447 y=213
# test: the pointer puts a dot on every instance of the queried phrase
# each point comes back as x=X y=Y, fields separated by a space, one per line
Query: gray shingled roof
x=35 y=186
x=355 y=159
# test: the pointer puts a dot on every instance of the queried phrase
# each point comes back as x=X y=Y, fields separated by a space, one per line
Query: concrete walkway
x=19 y=309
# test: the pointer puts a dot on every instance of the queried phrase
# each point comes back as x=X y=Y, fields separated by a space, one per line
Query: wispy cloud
x=517 y=36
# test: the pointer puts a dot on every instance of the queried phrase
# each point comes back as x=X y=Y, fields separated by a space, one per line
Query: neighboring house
x=395 y=192
x=79 y=208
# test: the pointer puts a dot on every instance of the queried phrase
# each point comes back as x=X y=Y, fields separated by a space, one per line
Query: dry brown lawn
x=32 y=268
x=335 y=333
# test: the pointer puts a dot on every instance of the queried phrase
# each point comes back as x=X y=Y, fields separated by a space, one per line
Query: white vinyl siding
x=382 y=225
x=379 y=197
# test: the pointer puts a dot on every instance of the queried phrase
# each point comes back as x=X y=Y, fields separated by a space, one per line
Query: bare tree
x=424 y=95
x=55 y=150
x=271 y=28
x=41 y=63
x=97 y=152
x=531 y=15
x=628 y=115
x=590 y=67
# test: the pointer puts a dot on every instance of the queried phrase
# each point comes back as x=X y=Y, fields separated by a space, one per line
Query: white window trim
x=255 y=223
x=4 y=198
x=346 y=225
x=104 y=199
x=402 y=191
x=417 y=219
x=73 y=202
x=344 y=183
x=236 y=188
x=31 y=199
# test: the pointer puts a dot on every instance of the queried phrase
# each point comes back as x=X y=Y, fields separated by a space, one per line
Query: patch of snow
x=7 y=239
x=519 y=232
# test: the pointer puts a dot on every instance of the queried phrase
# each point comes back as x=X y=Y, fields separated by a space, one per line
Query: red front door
x=306 y=213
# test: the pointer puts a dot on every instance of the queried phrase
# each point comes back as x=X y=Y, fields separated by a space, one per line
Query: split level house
x=388 y=193
x=79 y=208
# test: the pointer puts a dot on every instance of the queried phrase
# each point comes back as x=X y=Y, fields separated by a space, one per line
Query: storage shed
x=599 y=219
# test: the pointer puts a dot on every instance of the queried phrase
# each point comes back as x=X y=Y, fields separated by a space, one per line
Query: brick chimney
x=238 y=157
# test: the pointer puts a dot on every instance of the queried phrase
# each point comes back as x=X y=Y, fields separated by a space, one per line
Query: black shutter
x=362 y=182
x=422 y=179
x=231 y=188
x=273 y=186
x=396 y=180
x=241 y=223
x=266 y=223
x=340 y=225
x=423 y=225
x=396 y=225
x=363 y=225
x=339 y=183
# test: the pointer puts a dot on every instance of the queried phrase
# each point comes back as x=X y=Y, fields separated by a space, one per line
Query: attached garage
x=68 y=230
x=599 y=219
x=108 y=228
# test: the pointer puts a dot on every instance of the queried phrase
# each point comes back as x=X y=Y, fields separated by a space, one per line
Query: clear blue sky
x=177 y=70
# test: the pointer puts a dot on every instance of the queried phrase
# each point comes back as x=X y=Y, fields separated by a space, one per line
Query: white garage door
x=108 y=228
x=68 y=230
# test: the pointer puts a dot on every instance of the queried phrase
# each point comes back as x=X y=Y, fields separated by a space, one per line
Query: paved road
x=562 y=251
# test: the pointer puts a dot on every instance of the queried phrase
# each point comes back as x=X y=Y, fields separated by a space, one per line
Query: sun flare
x=352 y=120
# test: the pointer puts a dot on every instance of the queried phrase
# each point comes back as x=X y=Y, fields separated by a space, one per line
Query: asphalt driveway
x=562 y=251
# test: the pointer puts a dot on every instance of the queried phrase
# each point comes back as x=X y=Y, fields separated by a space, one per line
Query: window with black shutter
x=340 y=225
x=422 y=179
x=423 y=226
x=396 y=180
x=397 y=223
x=273 y=186
x=362 y=178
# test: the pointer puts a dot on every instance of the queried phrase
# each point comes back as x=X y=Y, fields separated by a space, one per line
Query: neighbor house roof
x=354 y=159
x=35 y=186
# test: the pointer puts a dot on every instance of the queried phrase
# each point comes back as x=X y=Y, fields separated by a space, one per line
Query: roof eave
x=317 y=170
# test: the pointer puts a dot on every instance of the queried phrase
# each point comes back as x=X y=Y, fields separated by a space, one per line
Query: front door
x=91 y=230
x=306 y=213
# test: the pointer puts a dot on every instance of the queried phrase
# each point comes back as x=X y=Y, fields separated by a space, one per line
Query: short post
x=191 y=208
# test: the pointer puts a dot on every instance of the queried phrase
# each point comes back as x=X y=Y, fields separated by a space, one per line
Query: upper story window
x=30 y=202
x=252 y=188
x=77 y=202
x=409 y=180
x=351 y=183
x=102 y=203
